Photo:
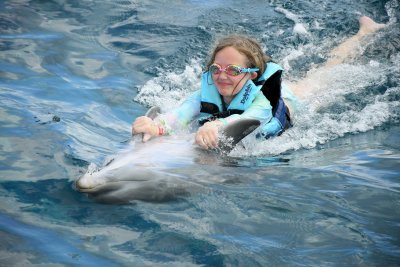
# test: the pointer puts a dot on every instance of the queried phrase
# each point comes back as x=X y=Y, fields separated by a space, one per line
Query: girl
x=242 y=82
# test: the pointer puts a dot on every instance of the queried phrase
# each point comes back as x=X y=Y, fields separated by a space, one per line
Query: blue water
x=74 y=75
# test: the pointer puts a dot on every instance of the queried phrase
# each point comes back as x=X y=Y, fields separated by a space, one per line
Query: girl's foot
x=367 y=25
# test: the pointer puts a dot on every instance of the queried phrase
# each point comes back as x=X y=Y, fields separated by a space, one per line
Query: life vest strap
x=220 y=115
x=207 y=107
x=282 y=113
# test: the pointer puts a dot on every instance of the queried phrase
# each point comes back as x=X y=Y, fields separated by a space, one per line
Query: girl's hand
x=207 y=135
x=146 y=126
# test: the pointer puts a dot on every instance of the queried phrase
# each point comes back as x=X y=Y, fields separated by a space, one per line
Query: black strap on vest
x=272 y=91
x=207 y=107
x=211 y=108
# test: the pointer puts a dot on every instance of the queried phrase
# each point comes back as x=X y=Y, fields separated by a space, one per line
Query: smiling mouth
x=224 y=84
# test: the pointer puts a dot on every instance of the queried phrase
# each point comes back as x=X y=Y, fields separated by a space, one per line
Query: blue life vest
x=213 y=106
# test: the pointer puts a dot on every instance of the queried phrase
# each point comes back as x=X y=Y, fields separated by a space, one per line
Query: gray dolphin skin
x=153 y=171
x=160 y=169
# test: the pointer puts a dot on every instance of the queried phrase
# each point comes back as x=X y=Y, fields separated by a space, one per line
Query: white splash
x=299 y=27
x=170 y=88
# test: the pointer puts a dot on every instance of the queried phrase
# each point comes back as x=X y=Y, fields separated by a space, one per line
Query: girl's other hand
x=207 y=135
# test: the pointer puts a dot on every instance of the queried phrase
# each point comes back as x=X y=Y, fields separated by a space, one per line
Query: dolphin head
x=150 y=171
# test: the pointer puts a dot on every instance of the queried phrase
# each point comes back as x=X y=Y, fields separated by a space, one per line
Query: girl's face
x=228 y=86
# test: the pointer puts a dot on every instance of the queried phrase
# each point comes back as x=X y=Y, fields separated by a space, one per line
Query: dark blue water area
x=75 y=74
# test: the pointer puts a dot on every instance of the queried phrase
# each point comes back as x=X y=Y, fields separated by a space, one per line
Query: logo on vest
x=246 y=94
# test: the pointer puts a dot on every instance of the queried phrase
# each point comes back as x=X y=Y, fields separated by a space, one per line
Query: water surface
x=74 y=74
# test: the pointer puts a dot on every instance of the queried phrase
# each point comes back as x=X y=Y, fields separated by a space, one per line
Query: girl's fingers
x=207 y=137
x=143 y=125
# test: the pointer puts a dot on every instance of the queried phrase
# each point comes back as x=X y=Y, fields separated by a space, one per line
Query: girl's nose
x=223 y=75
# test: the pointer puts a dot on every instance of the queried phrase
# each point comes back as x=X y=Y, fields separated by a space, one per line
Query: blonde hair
x=246 y=46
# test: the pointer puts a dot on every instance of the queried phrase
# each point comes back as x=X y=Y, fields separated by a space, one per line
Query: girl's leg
x=346 y=49
x=338 y=55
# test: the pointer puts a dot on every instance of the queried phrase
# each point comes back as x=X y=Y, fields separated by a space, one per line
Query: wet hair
x=248 y=47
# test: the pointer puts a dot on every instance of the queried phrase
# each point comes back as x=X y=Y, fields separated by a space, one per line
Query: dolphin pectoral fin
x=234 y=132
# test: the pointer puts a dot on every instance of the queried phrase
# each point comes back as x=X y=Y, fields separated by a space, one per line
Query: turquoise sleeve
x=180 y=117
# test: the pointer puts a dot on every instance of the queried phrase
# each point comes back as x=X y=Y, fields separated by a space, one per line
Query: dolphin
x=162 y=168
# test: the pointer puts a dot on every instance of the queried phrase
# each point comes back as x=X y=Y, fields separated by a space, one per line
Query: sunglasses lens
x=233 y=70
x=214 y=69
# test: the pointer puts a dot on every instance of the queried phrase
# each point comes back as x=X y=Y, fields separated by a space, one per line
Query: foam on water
x=299 y=27
x=344 y=101
x=170 y=88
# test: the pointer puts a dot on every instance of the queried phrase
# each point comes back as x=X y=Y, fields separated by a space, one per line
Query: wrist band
x=160 y=130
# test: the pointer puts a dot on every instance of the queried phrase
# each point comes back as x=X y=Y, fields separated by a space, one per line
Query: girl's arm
x=180 y=117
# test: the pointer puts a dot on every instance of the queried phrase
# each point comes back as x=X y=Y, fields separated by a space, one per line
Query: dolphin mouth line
x=85 y=190
x=107 y=184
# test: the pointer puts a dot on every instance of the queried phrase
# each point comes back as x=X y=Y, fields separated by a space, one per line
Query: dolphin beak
x=85 y=183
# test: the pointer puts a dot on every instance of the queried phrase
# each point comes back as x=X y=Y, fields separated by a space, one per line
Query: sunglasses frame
x=240 y=69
